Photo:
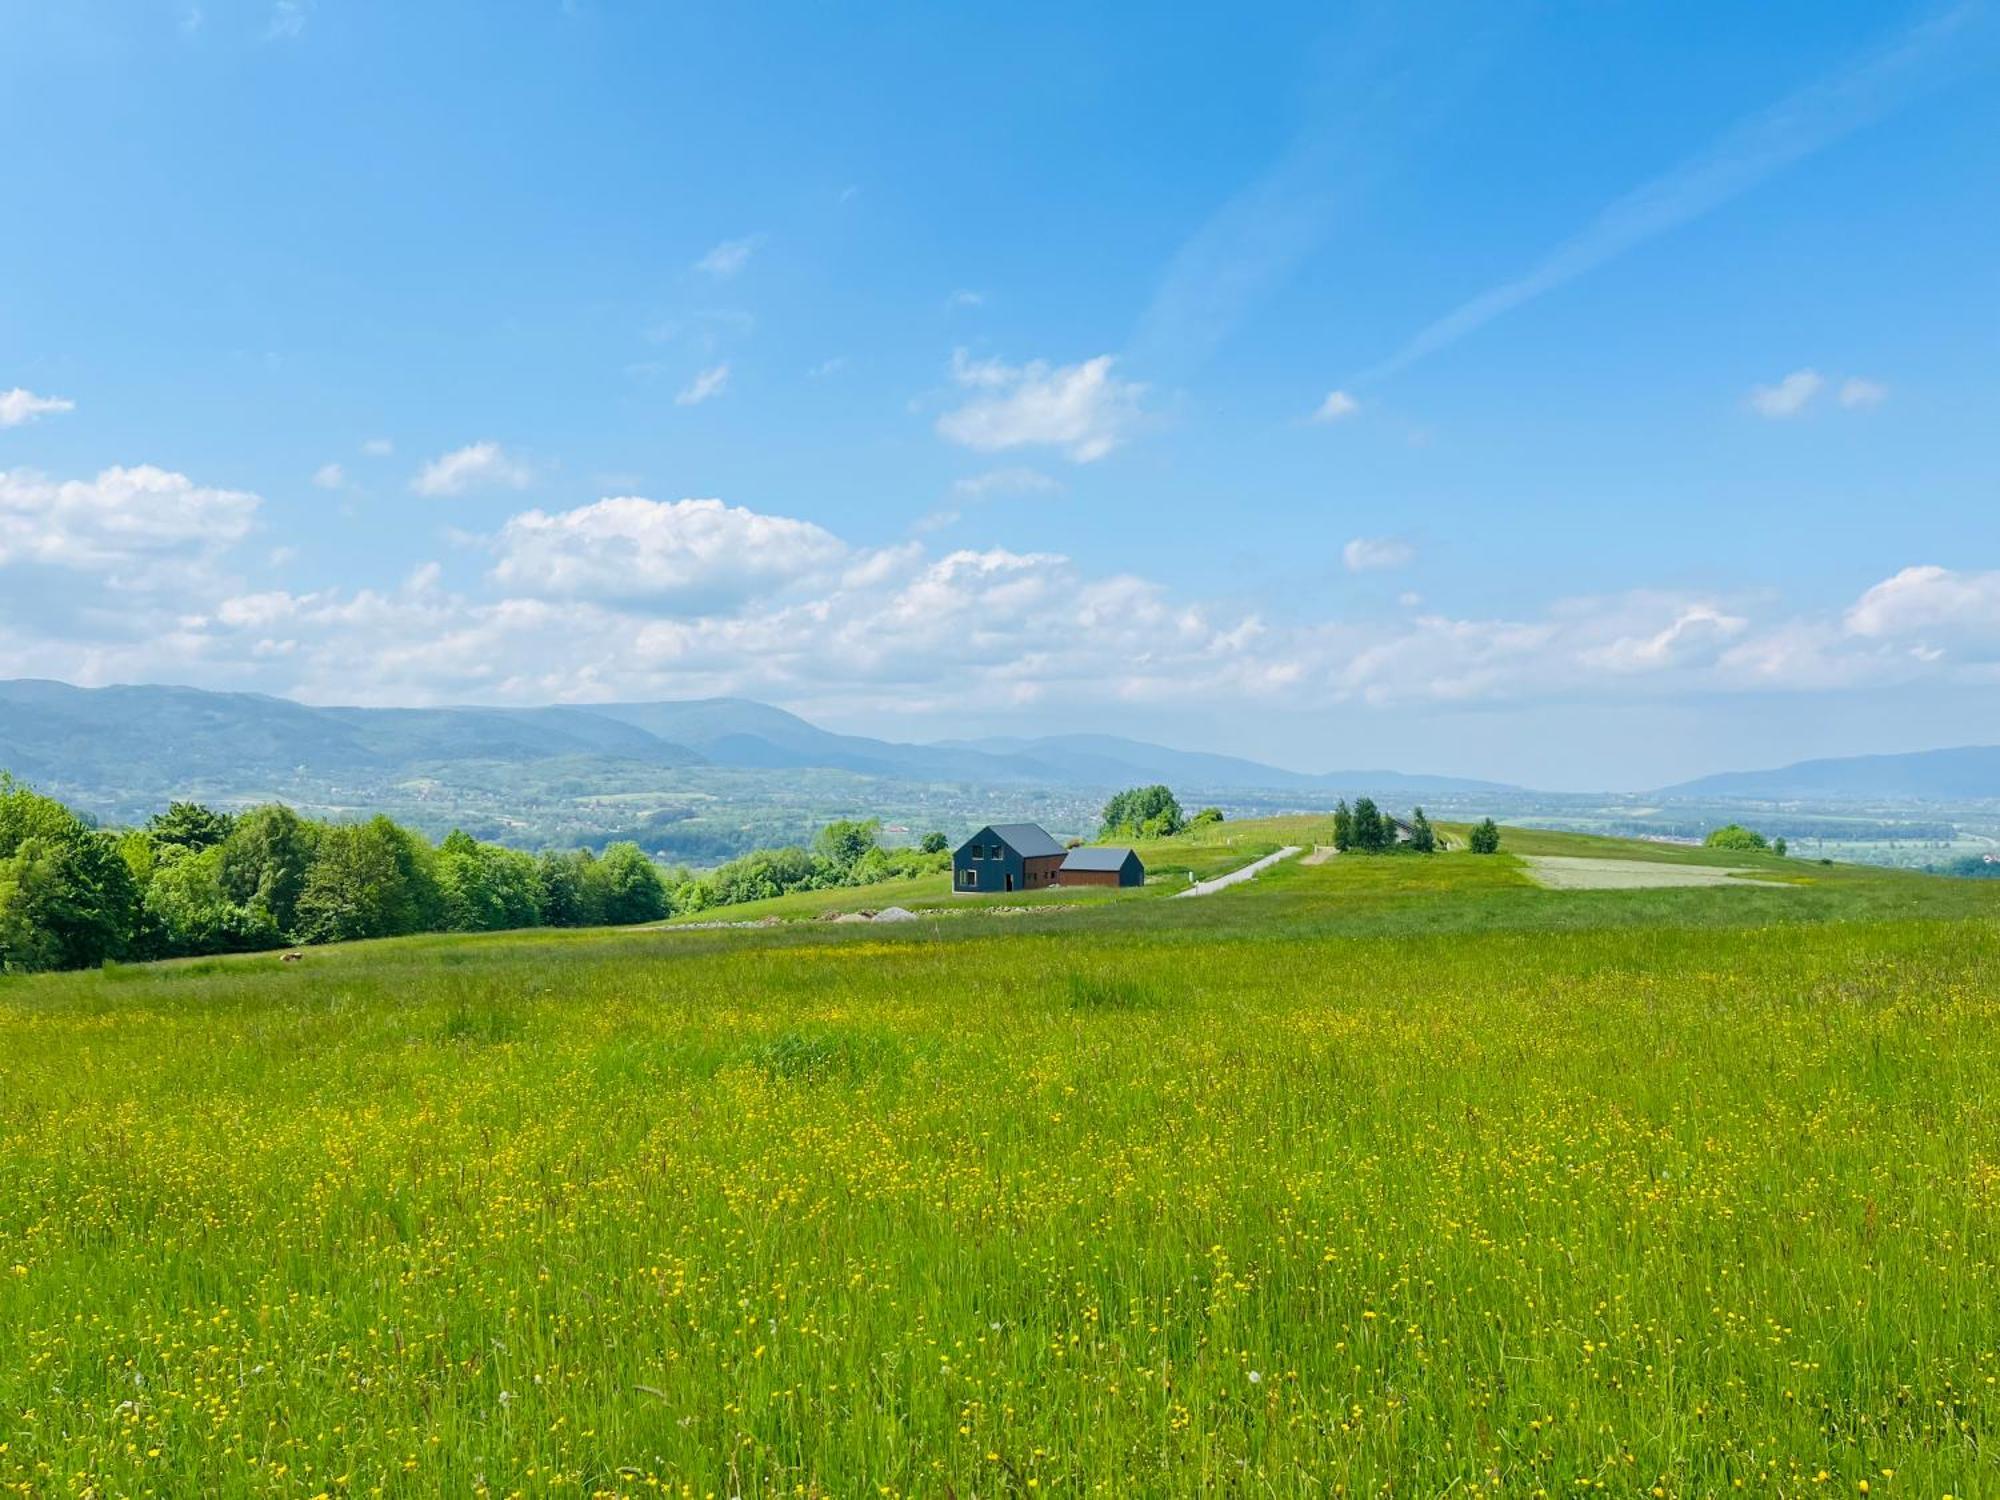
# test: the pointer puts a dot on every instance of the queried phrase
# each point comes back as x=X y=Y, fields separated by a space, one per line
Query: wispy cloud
x=709 y=383
x=476 y=466
x=729 y=257
x=1796 y=127
x=288 y=20
x=1857 y=391
x=1005 y=482
x=966 y=298
x=1788 y=397
x=1337 y=406
x=21 y=406
x=378 y=447
x=1377 y=554
x=329 y=476
x=1083 y=409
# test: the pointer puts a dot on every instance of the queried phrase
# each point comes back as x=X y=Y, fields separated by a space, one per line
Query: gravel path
x=1235 y=877
x=1320 y=855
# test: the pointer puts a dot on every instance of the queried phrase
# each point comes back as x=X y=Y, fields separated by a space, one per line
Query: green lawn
x=1389 y=1175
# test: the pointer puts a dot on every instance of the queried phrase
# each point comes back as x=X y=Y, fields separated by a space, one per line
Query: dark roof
x=1106 y=857
x=1029 y=840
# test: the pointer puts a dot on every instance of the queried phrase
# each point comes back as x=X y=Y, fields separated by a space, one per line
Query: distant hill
x=1111 y=761
x=1969 y=774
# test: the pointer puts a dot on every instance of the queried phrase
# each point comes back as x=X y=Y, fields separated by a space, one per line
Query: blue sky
x=1581 y=395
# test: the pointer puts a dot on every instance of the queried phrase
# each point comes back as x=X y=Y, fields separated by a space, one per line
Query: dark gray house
x=1108 y=865
x=1006 y=857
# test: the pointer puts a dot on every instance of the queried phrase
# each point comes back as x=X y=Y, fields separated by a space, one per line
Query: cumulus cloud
x=152 y=576
x=709 y=383
x=21 y=406
x=1337 y=406
x=1366 y=554
x=676 y=553
x=729 y=257
x=1858 y=391
x=477 y=466
x=1788 y=397
x=122 y=522
x=329 y=476
x=1929 y=600
x=1083 y=409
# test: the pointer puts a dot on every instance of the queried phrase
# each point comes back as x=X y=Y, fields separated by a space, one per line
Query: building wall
x=990 y=875
x=1130 y=873
x=1090 y=877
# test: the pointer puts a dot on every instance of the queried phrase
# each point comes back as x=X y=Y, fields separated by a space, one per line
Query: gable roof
x=1029 y=840
x=1104 y=857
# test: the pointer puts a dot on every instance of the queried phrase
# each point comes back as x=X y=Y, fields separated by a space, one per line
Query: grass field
x=1384 y=1176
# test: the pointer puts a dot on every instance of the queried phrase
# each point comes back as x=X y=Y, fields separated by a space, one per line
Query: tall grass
x=981 y=1208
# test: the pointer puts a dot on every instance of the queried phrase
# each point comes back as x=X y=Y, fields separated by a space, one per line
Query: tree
x=1343 y=826
x=1423 y=838
x=190 y=826
x=1736 y=836
x=934 y=843
x=485 y=888
x=629 y=887
x=843 y=842
x=265 y=860
x=1142 y=812
x=1371 y=831
x=564 y=890
x=1485 y=837
x=366 y=881
x=189 y=911
x=67 y=896
x=1780 y=848
x=1206 y=817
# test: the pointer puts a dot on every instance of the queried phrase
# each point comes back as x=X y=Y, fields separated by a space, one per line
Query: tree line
x=197 y=881
x=1365 y=829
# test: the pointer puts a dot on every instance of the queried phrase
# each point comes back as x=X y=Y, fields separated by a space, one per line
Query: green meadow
x=1385 y=1176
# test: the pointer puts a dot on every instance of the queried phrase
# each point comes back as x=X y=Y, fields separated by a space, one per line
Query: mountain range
x=1970 y=773
x=166 y=736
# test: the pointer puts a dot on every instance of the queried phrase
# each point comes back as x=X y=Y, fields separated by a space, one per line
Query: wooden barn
x=1006 y=857
x=1110 y=865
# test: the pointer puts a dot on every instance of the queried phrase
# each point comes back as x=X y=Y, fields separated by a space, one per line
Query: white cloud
x=1694 y=626
x=1082 y=409
x=288 y=20
x=680 y=553
x=477 y=466
x=965 y=298
x=1788 y=397
x=1857 y=391
x=329 y=476
x=21 y=406
x=709 y=383
x=1016 y=481
x=1376 y=554
x=729 y=257
x=1337 y=405
x=1930 y=601
x=378 y=447
x=120 y=522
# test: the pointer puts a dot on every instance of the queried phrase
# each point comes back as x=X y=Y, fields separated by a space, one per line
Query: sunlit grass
x=1287 y=1190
